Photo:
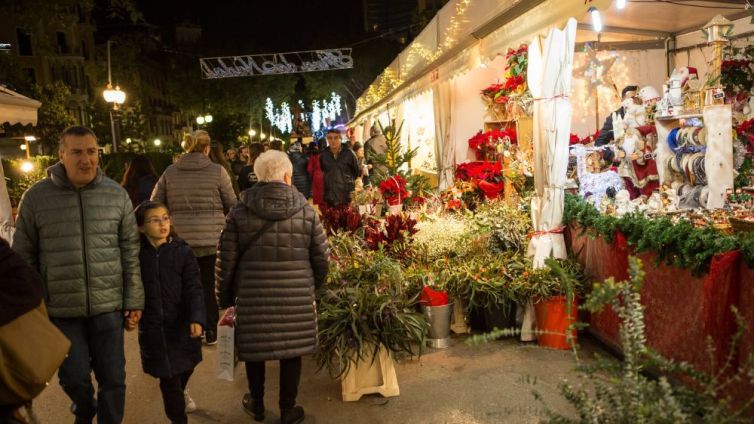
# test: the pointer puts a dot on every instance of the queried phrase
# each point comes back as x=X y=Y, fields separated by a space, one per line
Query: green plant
x=363 y=306
x=558 y=277
x=394 y=161
x=623 y=393
x=508 y=226
x=680 y=244
x=20 y=181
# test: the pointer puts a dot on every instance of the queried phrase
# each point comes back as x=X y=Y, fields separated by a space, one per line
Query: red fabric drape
x=721 y=292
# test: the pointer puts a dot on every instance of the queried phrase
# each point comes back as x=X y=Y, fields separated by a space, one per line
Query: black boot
x=253 y=407
x=292 y=416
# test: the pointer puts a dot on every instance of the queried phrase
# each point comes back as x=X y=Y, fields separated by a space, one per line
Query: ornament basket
x=741 y=225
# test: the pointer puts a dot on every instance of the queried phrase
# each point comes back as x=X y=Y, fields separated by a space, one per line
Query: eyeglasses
x=154 y=221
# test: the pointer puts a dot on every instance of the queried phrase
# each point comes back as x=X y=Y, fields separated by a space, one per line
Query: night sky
x=246 y=27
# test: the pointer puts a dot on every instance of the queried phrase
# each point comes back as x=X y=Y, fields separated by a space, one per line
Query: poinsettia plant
x=513 y=90
x=391 y=234
x=394 y=191
x=487 y=140
x=343 y=217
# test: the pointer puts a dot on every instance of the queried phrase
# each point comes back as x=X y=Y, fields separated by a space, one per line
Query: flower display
x=442 y=236
x=394 y=190
x=486 y=141
x=512 y=93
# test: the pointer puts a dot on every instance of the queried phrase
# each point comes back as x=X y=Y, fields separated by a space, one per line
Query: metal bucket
x=438 y=318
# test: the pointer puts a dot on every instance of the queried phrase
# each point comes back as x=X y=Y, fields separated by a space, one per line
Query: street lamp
x=26 y=166
x=262 y=136
x=206 y=119
x=27 y=146
x=157 y=142
x=116 y=97
x=252 y=133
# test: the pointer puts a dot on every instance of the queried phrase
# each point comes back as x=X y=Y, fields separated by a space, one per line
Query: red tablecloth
x=681 y=310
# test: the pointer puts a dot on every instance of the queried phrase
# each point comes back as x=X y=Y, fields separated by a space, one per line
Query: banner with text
x=275 y=63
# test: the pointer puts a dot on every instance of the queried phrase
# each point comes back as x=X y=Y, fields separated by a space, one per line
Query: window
x=62 y=43
x=24 y=42
x=31 y=75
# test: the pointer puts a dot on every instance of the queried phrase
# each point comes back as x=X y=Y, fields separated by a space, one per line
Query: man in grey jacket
x=77 y=228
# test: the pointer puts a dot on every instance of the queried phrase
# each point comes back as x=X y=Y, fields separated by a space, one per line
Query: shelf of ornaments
x=718 y=158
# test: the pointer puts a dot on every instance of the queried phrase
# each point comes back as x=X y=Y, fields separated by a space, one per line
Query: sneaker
x=253 y=407
x=292 y=416
x=210 y=338
x=190 y=405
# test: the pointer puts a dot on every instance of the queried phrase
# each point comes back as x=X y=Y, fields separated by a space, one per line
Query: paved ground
x=463 y=384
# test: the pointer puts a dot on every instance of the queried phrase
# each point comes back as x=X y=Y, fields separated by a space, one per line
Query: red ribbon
x=556 y=230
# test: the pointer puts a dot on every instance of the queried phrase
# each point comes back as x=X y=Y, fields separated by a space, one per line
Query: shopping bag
x=226 y=360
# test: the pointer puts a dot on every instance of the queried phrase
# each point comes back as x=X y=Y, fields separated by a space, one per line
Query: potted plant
x=364 y=318
x=555 y=290
x=368 y=201
x=394 y=191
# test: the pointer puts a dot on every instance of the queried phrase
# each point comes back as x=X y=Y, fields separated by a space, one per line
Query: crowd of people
x=165 y=253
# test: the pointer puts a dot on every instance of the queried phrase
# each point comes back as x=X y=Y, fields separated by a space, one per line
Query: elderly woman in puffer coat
x=272 y=256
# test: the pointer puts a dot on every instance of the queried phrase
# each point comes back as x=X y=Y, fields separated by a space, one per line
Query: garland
x=680 y=244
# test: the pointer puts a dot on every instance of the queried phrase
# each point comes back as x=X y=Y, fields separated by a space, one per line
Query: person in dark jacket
x=605 y=136
x=21 y=290
x=300 y=161
x=272 y=255
x=340 y=168
x=246 y=177
x=139 y=179
x=315 y=173
x=174 y=315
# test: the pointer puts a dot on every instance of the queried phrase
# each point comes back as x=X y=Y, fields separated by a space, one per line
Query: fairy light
x=583 y=94
x=388 y=80
x=281 y=118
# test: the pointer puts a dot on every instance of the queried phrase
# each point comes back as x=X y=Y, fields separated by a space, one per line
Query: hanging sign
x=275 y=63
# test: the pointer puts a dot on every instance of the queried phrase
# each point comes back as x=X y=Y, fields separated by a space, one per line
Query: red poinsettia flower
x=394 y=190
x=491 y=190
x=574 y=139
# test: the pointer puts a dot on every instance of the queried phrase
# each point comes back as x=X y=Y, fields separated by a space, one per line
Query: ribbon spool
x=704 y=195
x=698 y=169
x=673 y=139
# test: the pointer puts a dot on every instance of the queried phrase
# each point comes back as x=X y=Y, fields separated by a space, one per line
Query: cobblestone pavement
x=463 y=384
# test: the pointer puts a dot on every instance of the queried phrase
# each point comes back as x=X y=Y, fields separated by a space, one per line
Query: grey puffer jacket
x=198 y=194
x=83 y=242
x=277 y=274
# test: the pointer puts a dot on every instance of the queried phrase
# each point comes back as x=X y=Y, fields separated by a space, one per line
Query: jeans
x=207 y=275
x=290 y=374
x=172 y=396
x=96 y=344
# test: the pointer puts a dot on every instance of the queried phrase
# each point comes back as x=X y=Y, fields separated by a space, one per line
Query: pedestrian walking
x=241 y=159
x=198 y=194
x=216 y=156
x=247 y=178
x=77 y=229
x=340 y=168
x=315 y=173
x=174 y=316
x=272 y=255
x=300 y=161
x=139 y=179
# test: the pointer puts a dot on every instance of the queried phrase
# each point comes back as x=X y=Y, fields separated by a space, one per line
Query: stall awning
x=16 y=108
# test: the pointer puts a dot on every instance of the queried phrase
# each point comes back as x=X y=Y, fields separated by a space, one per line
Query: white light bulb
x=620 y=4
x=23 y=147
x=157 y=142
x=27 y=166
x=200 y=120
x=596 y=20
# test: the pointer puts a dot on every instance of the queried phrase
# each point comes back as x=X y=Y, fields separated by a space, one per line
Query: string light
x=596 y=19
x=388 y=80
x=282 y=118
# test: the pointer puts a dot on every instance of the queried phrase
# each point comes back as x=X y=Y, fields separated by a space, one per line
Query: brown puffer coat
x=277 y=274
x=199 y=194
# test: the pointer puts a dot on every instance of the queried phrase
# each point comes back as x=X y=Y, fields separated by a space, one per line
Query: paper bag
x=226 y=360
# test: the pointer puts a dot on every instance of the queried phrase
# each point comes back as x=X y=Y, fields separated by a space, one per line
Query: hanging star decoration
x=596 y=72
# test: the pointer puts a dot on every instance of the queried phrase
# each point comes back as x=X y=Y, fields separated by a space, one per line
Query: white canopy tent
x=462 y=48
x=14 y=109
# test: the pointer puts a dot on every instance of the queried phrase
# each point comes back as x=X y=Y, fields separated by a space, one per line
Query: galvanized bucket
x=438 y=318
